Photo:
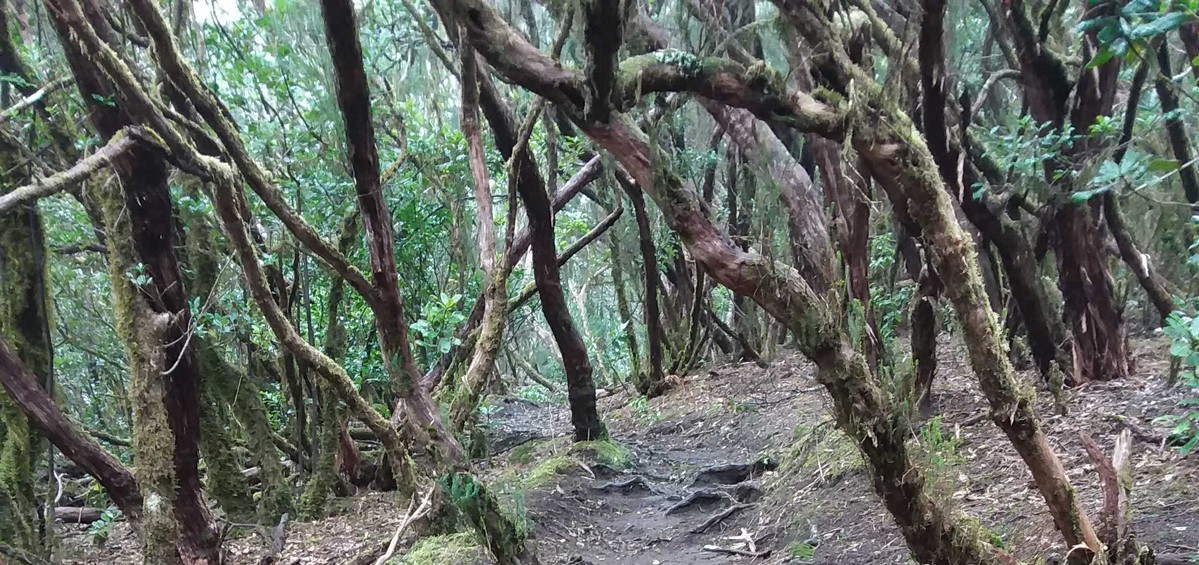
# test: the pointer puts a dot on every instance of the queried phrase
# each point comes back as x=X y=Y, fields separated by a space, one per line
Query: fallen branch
x=412 y=516
x=77 y=515
x=735 y=551
x=719 y=517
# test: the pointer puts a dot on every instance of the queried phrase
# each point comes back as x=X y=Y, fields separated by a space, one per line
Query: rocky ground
x=743 y=465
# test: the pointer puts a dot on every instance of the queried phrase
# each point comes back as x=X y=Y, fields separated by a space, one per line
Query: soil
x=761 y=441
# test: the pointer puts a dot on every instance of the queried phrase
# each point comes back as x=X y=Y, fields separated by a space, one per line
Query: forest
x=599 y=281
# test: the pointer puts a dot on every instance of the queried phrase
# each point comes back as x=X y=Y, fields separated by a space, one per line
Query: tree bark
x=580 y=387
x=495 y=295
x=849 y=191
x=802 y=203
x=1100 y=349
x=23 y=387
x=24 y=319
x=652 y=382
x=161 y=312
x=415 y=408
x=622 y=300
x=1175 y=128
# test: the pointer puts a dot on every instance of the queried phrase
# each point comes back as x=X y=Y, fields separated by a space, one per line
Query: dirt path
x=815 y=507
x=818 y=507
x=717 y=422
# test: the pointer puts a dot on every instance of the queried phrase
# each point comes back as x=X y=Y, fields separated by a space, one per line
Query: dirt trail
x=719 y=422
x=816 y=506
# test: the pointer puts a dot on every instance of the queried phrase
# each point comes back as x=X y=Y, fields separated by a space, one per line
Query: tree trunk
x=1175 y=128
x=155 y=318
x=415 y=408
x=801 y=201
x=852 y=199
x=495 y=280
x=652 y=382
x=1100 y=349
x=622 y=300
x=335 y=449
x=580 y=388
x=25 y=321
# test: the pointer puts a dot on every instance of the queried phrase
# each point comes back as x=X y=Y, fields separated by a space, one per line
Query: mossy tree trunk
x=223 y=478
x=331 y=421
x=25 y=323
x=495 y=279
x=153 y=316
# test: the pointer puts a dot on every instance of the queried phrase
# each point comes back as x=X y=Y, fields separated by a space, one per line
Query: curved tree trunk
x=495 y=279
x=852 y=199
x=802 y=203
x=415 y=408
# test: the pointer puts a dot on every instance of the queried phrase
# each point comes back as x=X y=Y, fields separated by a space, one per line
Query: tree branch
x=118 y=145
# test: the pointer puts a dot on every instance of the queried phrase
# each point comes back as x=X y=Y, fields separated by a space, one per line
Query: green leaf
x=1163 y=165
x=979 y=190
x=1104 y=55
x=1095 y=23
x=1081 y=197
x=1165 y=24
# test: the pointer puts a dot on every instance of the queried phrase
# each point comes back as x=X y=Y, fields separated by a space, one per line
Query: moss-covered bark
x=276 y=492
x=142 y=330
x=495 y=292
x=24 y=322
x=223 y=479
x=330 y=414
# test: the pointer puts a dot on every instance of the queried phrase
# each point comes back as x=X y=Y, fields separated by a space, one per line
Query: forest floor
x=798 y=486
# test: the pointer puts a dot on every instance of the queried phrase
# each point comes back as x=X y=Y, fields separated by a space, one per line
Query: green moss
x=24 y=322
x=523 y=454
x=223 y=480
x=802 y=551
x=545 y=471
x=141 y=331
x=821 y=447
x=320 y=484
x=459 y=549
x=604 y=451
